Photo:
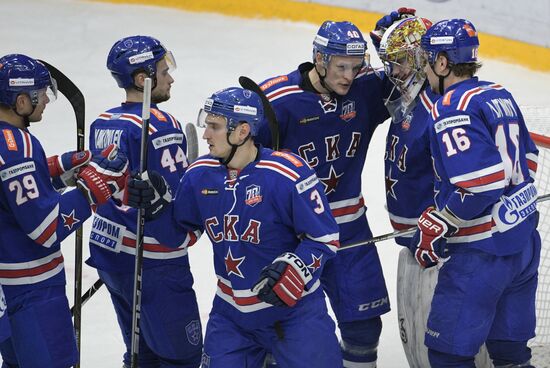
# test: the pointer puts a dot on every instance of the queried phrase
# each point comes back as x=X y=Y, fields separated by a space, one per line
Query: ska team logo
x=194 y=332
x=348 y=110
x=253 y=195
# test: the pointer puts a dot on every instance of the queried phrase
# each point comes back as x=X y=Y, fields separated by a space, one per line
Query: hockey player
x=170 y=330
x=484 y=224
x=35 y=218
x=272 y=232
x=327 y=112
x=408 y=167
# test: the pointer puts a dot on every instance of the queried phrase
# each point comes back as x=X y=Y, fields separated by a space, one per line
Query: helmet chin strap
x=234 y=148
x=322 y=79
x=441 y=90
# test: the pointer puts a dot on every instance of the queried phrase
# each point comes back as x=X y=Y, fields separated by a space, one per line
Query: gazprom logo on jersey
x=140 y=58
x=166 y=140
x=23 y=168
x=107 y=234
x=442 y=40
x=452 y=122
x=21 y=82
x=307 y=184
x=253 y=195
x=513 y=209
x=245 y=110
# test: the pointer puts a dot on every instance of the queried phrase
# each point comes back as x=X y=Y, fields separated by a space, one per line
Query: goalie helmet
x=22 y=74
x=339 y=38
x=457 y=37
x=235 y=105
x=134 y=54
x=402 y=56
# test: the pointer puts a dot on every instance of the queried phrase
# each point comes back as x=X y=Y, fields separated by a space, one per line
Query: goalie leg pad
x=360 y=342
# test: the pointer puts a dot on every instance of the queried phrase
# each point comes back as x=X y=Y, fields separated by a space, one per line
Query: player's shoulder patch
x=11 y=143
x=273 y=81
x=295 y=160
x=158 y=114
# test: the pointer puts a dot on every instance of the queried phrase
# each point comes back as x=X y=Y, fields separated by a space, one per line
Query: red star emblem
x=232 y=264
x=463 y=194
x=69 y=220
x=331 y=181
x=390 y=183
x=316 y=263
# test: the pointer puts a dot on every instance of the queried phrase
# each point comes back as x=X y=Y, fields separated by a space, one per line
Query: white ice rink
x=211 y=52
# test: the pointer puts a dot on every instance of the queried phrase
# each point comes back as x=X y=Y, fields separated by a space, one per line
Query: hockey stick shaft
x=405 y=232
x=89 y=293
x=136 y=304
x=76 y=99
x=269 y=113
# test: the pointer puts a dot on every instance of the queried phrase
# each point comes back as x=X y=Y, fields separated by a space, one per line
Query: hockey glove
x=431 y=237
x=151 y=193
x=105 y=176
x=63 y=169
x=282 y=283
x=386 y=21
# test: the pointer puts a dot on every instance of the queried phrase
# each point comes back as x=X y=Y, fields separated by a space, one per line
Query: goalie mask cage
x=538 y=122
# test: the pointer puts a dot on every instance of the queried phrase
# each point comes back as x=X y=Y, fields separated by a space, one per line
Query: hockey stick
x=76 y=99
x=248 y=83
x=404 y=232
x=192 y=142
x=136 y=304
x=89 y=293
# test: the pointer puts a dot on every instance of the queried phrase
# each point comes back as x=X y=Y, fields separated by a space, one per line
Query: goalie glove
x=105 y=176
x=282 y=283
x=386 y=21
x=431 y=237
x=151 y=193
x=63 y=169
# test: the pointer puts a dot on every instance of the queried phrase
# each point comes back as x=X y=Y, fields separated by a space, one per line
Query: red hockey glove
x=431 y=237
x=105 y=176
x=386 y=21
x=63 y=169
x=151 y=193
x=282 y=283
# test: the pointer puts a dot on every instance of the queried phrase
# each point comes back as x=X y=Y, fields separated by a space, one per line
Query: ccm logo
x=430 y=225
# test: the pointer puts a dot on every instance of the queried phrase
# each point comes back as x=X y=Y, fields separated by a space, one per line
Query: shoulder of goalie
x=282 y=283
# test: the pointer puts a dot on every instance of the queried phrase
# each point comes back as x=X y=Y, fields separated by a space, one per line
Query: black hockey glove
x=151 y=193
x=386 y=21
x=282 y=283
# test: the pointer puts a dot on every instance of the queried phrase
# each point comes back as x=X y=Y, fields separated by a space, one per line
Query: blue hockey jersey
x=408 y=166
x=272 y=206
x=485 y=164
x=332 y=134
x=34 y=218
x=113 y=239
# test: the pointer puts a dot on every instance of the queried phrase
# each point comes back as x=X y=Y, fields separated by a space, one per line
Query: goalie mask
x=404 y=61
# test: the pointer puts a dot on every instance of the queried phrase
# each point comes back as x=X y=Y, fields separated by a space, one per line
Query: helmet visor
x=207 y=118
x=170 y=61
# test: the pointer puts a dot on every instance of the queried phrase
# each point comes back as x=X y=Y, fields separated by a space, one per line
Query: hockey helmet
x=339 y=38
x=457 y=37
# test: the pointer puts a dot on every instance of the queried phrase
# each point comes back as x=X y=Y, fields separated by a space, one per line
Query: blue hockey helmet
x=235 y=105
x=134 y=54
x=22 y=74
x=457 y=37
x=339 y=38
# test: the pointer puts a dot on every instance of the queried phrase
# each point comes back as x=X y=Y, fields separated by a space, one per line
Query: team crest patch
x=70 y=220
x=205 y=361
x=348 y=111
x=194 y=332
x=328 y=104
x=253 y=195
x=406 y=123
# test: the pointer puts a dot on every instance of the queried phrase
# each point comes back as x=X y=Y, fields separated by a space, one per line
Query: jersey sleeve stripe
x=435 y=112
x=32 y=271
x=27 y=144
x=532 y=164
x=284 y=91
x=174 y=121
x=426 y=101
x=204 y=162
x=476 y=175
x=2 y=162
x=330 y=240
x=45 y=233
x=278 y=168
x=468 y=95
x=132 y=118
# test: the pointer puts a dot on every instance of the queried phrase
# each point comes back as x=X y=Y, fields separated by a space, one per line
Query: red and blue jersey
x=485 y=164
x=34 y=217
x=332 y=134
x=112 y=238
x=273 y=205
x=408 y=166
